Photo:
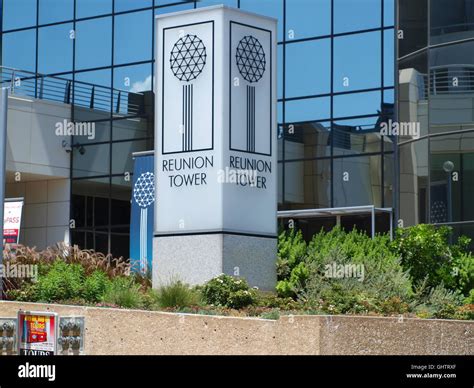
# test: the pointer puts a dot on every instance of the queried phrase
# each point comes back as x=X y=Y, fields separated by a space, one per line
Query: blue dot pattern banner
x=141 y=223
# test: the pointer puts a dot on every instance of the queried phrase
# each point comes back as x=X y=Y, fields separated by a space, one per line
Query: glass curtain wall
x=436 y=90
x=335 y=87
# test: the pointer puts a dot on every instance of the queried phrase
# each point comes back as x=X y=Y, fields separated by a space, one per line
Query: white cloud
x=141 y=86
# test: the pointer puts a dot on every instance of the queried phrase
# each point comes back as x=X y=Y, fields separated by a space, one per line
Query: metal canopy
x=340 y=211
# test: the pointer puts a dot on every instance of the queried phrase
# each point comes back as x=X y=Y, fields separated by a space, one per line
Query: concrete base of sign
x=198 y=258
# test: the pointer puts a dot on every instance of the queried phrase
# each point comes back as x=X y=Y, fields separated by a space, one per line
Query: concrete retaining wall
x=116 y=331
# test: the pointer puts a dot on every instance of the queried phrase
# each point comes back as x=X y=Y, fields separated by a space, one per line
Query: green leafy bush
x=95 y=286
x=62 y=282
x=176 y=294
x=291 y=271
x=437 y=302
x=426 y=252
x=291 y=251
x=470 y=298
x=123 y=292
x=379 y=285
x=227 y=291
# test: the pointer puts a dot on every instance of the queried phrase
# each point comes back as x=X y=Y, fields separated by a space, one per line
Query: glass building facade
x=436 y=90
x=336 y=84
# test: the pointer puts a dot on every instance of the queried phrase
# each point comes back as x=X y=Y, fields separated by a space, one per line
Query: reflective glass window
x=307 y=18
x=308 y=109
x=91 y=160
x=18 y=14
x=92 y=88
x=451 y=87
x=451 y=20
x=99 y=130
x=126 y=5
x=388 y=57
x=413 y=196
x=131 y=128
x=136 y=78
x=208 y=3
x=388 y=185
x=173 y=8
x=357 y=104
x=357 y=181
x=122 y=161
x=452 y=178
x=356 y=136
x=413 y=24
x=361 y=73
x=308 y=68
x=55 y=46
x=350 y=15
x=18 y=50
x=280 y=71
x=389 y=13
x=164 y=2
x=307 y=184
x=272 y=8
x=51 y=11
x=93 y=43
x=307 y=140
x=87 y=8
x=133 y=44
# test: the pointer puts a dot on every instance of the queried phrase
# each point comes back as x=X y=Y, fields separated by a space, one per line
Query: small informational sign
x=12 y=220
x=37 y=333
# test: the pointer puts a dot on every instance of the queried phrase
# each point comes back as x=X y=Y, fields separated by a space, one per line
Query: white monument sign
x=216 y=161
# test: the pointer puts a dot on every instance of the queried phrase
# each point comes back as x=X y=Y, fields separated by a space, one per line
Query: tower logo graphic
x=250 y=96
x=187 y=88
x=144 y=196
x=187 y=60
x=250 y=59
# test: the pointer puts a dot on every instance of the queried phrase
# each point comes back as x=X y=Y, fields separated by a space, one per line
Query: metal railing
x=449 y=79
x=77 y=93
x=452 y=28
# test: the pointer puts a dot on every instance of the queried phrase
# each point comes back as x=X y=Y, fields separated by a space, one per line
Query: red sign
x=37 y=333
x=12 y=221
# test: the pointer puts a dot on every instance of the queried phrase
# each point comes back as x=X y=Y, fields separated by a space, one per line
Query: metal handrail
x=448 y=79
x=54 y=88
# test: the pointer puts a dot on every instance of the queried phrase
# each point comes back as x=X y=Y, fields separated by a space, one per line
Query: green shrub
x=176 y=294
x=470 y=298
x=291 y=251
x=385 y=286
x=273 y=314
x=227 y=291
x=123 y=292
x=62 y=282
x=95 y=286
x=291 y=270
x=271 y=300
x=437 y=302
x=27 y=293
x=426 y=252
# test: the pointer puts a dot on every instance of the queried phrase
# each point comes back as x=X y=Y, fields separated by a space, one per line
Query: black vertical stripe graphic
x=253 y=119
x=182 y=118
x=191 y=115
x=187 y=118
x=250 y=118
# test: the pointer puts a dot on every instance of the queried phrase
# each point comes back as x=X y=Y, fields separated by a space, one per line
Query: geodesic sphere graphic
x=144 y=190
x=188 y=58
x=250 y=58
x=439 y=212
